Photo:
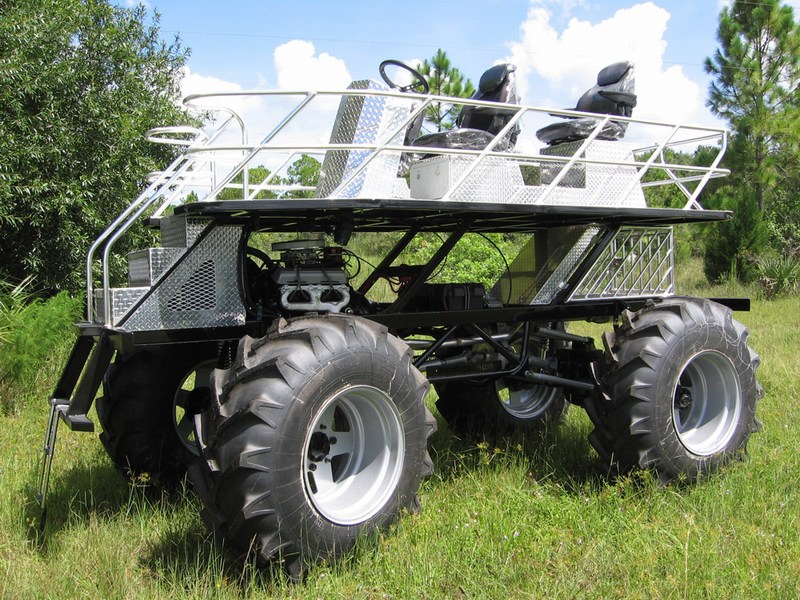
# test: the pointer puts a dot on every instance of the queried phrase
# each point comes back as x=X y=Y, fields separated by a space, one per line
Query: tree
x=756 y=74
x=303 y=171
x=444 y=80
x=732 y=247
x=256 y=176
x=783 y=212
x=689 y=238
x=80 y=83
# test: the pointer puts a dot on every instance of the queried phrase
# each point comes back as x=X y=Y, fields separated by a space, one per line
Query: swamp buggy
x=248 y=350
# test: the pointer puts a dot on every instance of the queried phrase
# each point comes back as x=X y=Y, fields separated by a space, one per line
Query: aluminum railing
x=204 y=165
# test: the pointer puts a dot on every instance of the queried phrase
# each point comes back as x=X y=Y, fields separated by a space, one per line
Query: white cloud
x=195 y=83
x=565 y=63
x=299 y=67
x=249 y=108
x=566 y=6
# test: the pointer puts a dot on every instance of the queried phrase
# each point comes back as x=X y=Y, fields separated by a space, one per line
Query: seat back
x=497 y=84
x=611 y=95
x=477 y=126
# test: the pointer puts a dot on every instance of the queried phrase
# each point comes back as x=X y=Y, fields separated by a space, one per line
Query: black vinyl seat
x=477 y=126
x=613 y=95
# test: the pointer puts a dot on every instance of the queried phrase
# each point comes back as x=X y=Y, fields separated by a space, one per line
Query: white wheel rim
x=353 y=455
x=707 y=403
x=525 y=403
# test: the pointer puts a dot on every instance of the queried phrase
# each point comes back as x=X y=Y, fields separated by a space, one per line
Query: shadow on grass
x=87 y=492
x=559 y=454
x=194 y=561
x=186 y=557
x=73 y=495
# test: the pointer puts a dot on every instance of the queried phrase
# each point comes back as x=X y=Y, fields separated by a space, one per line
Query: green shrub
x=783 y=222
x=474 y=259
x=13 y=299
x=36 y=337
x=778 y=275
x=732 y=246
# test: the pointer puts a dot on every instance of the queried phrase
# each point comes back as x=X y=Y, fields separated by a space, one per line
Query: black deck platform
x=381 y=215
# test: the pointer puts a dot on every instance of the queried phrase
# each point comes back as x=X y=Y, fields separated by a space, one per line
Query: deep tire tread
x=637 y=353
x=250 y=415
x=135 y=411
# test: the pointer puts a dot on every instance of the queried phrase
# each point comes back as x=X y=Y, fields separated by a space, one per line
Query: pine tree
x=756 y=72
x=444 y=80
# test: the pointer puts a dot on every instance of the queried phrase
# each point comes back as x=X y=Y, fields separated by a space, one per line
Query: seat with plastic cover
x=612 y=95
x=477 y=126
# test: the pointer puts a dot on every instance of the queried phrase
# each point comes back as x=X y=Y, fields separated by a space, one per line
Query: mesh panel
x=638 y=262
x=198 y=292
x=202 y=290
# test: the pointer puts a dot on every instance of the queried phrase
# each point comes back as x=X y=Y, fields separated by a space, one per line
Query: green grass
x=525 y=518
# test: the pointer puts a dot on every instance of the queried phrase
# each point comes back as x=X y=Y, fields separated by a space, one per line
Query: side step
x=73 y=396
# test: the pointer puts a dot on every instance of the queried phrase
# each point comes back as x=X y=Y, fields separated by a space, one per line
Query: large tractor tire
x=316 y=435
x=147 y=409
x=679 y=390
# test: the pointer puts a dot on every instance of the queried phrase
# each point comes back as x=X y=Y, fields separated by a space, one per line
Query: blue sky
x=558 y=45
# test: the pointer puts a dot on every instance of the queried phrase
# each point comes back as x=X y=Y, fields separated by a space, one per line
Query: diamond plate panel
x=544 y=264
x=364 y=120
x=177 y=231
x=557 y=280
x=145 y=266
x=638 y=262
x=201 y=291
x=122 y=299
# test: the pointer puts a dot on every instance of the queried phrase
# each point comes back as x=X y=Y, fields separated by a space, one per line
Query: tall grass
x=34 y=342
x=13 y=300
x=515 y=518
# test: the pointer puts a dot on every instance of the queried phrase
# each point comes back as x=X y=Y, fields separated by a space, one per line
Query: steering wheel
x=419 y=84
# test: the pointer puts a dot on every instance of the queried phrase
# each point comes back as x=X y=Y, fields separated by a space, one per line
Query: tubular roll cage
x=203 y=152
